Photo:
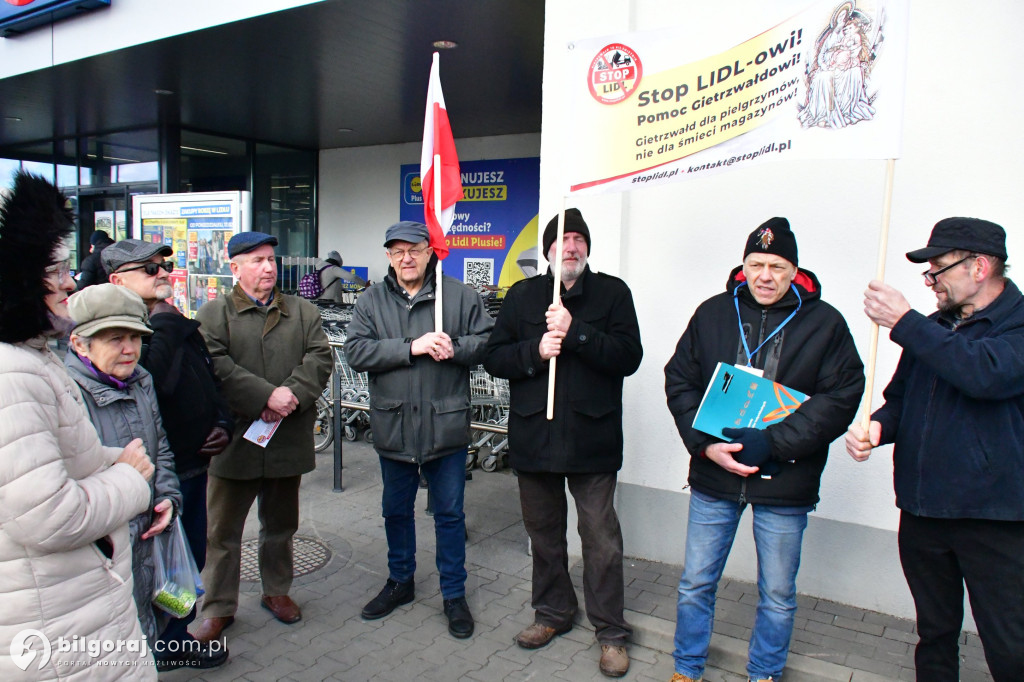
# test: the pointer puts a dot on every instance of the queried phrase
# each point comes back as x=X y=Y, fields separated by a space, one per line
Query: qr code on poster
x=478 y=272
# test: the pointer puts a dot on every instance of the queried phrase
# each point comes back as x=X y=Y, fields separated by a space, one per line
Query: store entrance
x=107 y=210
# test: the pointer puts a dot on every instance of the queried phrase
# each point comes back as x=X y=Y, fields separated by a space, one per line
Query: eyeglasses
x=399 y=254
x=931 y=278
x=152 y=268
x=58 y=271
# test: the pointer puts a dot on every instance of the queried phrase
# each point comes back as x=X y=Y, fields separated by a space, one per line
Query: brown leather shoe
x=283 y=608
x=614 y=660
x=679 y=677
x=211 y=628
x=538 y=635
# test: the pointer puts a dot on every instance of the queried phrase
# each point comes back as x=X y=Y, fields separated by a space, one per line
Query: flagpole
x=556 y=295
x=438 y=271
x=883 y=244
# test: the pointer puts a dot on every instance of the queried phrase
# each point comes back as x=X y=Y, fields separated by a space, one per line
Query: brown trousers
x=544 y=514
x=228 y=502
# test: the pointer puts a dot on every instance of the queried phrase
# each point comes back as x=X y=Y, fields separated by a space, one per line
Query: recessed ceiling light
x=163 y=92
x=445 y=44
x=344 y=130
x=13 y=119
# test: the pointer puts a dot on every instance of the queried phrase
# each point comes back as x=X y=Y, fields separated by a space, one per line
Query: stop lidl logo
x=614 y=74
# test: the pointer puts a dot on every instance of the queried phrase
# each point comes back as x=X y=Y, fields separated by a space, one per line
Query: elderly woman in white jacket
x=66 y=607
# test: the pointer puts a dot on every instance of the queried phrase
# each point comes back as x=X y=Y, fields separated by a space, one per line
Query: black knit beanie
x=773 y=236
x=573 y=223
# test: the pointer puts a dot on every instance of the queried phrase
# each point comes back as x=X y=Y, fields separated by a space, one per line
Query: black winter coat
x=814 y=353
x=601 y=348
x=92 y=269
x=186 y=388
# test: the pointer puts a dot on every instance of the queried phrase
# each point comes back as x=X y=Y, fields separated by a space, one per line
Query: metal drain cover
x=308 y=555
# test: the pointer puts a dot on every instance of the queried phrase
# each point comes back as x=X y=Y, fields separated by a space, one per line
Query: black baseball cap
x=967 y=234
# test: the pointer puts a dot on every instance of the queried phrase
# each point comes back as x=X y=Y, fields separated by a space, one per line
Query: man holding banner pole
x=772 y=322
x=955 y=411
x=594 y=333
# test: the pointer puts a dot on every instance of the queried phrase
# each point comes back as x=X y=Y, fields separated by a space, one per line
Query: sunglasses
x=152 y=268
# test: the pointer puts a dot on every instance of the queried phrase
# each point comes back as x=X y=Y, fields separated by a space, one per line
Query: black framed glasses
x=152 y=268
x=932 y=277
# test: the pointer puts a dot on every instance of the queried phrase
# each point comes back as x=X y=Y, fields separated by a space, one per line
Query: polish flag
x=438 y=148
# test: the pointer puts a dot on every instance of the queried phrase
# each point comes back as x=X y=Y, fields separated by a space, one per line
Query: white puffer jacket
x=59 y=494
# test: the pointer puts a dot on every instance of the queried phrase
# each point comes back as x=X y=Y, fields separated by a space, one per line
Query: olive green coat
x=256 y=349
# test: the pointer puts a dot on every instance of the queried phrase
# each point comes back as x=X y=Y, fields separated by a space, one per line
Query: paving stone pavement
x=830 y=642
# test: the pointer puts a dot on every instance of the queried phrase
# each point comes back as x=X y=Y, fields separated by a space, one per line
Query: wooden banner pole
x=883 y=244
x=556 y=295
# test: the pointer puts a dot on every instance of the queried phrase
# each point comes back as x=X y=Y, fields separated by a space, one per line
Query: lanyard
x=743 y=337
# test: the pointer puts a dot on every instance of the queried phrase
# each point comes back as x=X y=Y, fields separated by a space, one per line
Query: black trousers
x=544 y=514
x=938 y=557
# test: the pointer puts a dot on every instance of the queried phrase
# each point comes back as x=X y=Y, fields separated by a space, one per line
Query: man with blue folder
x=771 y=321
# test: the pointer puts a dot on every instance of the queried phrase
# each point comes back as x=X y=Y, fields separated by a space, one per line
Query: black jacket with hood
x=813 y=353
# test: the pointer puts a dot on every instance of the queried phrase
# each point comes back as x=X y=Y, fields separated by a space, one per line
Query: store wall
x=676 y=244
x=360 y=191
x=123 y=24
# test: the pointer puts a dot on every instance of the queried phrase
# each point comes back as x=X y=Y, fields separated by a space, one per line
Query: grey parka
x=419 y=408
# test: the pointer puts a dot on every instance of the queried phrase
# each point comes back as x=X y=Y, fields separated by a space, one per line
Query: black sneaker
x=209 y=655
x=460 y=620
x=206 y=655
x=392 y=596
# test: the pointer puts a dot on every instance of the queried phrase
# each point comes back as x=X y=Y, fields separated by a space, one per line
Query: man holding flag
x=419 y=411
x=418 y=356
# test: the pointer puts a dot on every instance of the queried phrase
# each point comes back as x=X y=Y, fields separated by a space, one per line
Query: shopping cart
x=490 y=405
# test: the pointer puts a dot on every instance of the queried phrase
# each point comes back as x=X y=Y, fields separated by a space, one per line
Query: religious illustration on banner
x=827 y=83
x=493 y=239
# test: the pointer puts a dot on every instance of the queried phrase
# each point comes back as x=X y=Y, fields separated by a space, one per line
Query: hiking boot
x=538 y=635
x=460 y=620
x=614 y=660
x=393 y=595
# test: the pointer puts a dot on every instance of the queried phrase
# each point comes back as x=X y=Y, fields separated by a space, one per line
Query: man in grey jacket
x=419 y=411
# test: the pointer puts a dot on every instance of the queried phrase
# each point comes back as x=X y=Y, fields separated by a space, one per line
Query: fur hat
x=35 y=219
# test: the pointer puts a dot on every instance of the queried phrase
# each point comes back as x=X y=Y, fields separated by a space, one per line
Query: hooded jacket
x=255 y=349
x=186 y=387
x=955 y=411
x=65 y=556
x=601 y=348
x=419 y=408
x=120 y=416
x=813 y=353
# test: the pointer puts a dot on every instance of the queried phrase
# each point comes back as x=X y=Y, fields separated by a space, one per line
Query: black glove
x=757 y=449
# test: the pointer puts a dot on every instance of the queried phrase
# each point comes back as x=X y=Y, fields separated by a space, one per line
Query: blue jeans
x=778 y=534
x=446 y=478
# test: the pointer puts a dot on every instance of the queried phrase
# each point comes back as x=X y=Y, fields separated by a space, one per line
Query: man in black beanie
x=92 y=270
x=593 y=331
x=770 y=320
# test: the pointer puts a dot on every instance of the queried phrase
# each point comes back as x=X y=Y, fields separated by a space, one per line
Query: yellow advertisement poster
x=827 y=83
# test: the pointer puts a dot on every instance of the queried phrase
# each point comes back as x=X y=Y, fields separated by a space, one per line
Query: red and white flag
x=438 y=148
